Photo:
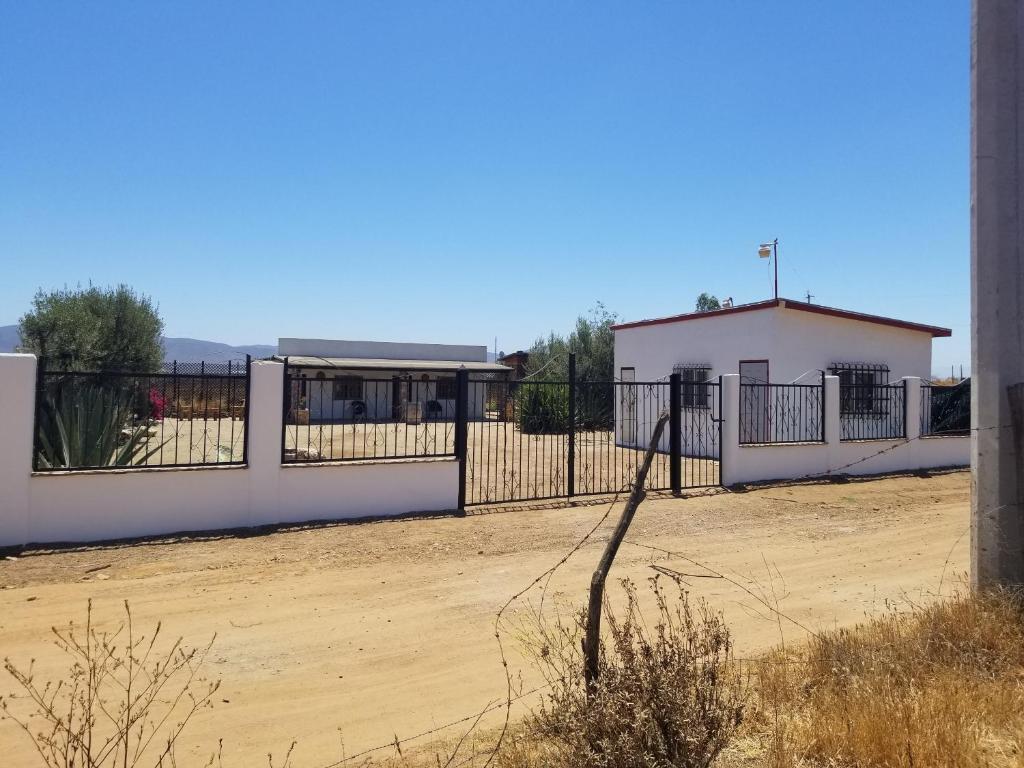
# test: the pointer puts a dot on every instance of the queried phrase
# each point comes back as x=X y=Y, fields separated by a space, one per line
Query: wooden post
x=592 y=643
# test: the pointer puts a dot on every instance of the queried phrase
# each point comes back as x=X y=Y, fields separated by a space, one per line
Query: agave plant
x=89 y=423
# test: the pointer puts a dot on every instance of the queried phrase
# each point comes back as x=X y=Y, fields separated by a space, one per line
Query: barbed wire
x=491 y=707
x=512 y=698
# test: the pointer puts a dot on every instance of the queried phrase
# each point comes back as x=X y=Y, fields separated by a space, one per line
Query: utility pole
x=997 y=292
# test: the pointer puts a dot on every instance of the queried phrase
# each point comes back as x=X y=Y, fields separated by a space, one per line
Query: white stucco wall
x=90 y=506
x=794 y=342
x=755 y=463
x=384 y=350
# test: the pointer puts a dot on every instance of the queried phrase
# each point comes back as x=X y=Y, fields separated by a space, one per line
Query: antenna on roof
x=809 y=297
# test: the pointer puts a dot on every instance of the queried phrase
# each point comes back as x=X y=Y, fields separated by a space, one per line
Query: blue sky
x=456 y=172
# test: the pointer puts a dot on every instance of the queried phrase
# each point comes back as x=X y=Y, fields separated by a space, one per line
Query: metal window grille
x=859 y=387
x=446 y=388
x=696 y=392
x=347 y=387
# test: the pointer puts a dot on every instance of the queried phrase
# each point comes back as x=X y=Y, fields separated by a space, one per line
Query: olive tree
x=94 y=329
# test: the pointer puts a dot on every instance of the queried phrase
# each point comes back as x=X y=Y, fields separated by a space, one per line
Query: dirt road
x=356 y=633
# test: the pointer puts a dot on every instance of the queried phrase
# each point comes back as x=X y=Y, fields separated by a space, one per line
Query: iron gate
x=533 y=440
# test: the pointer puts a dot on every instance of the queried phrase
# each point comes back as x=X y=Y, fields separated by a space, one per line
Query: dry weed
x=934 y=686
x=124 y=701
x=667 y=694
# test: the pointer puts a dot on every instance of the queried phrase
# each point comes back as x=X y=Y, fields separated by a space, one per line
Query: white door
x=627 y=406
x=754 y=426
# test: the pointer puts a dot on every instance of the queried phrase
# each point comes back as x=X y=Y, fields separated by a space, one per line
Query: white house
x=779 y=341
x=334 y=380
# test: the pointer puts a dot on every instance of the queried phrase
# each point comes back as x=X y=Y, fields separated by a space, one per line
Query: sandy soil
x=503 y=463
x=361 y=632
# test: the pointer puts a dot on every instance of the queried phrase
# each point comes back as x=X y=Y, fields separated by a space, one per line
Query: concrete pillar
x=17 y=417
x=833 y=425
x=913 y=407
x=266 y=401
x=729 y=451
x=997 y=289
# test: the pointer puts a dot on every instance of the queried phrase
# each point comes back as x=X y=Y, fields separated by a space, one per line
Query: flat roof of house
x=799 y=306
x=387 y=364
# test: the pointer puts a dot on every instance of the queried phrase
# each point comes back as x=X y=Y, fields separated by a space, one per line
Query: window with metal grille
x=446 y=389
x=695 y=391
x=860 y=387
x=348 y=388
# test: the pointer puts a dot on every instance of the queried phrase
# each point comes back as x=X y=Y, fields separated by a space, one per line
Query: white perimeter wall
x=754 y=463
x=794 y=342
x=91 y=506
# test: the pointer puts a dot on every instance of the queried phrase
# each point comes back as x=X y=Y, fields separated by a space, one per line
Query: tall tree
x=94 y=329
x=592 y=340
x=706 y=302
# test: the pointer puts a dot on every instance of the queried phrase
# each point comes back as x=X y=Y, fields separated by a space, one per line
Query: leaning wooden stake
x=593 y=637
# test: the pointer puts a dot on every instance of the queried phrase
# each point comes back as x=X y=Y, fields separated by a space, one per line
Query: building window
x=348 y=388
x=859 y=385
x=695 y=391
x=446 y=388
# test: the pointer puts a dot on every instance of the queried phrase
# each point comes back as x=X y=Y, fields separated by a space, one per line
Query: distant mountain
x=189 y=350
x=182 y=350
x=9 y=338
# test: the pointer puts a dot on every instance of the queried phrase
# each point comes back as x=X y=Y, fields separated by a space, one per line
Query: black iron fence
x=515 y=440
x=946 y=410
x=350 y=418
x=873 y=411
x=549 y=439
x=88 y=420
x=782 y=413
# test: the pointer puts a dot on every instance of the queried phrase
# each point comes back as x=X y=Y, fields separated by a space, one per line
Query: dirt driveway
x=361 y=632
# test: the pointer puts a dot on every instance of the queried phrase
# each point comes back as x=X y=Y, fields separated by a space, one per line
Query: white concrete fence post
x=17 y=417
x=266 y=426
x=729 y=459
x=913 y=407
x=833 y=419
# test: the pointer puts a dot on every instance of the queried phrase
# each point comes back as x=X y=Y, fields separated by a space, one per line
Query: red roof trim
x=800 y=306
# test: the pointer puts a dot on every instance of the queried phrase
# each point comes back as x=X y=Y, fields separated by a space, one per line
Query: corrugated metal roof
x=383 y=364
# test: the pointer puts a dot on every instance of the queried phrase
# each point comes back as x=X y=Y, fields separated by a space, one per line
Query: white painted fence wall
x=107 y=504
x=753 y=463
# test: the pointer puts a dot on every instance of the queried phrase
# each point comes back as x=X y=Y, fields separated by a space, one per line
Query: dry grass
x=934 y=686
x=123 y=704
x=939 y=685
x=668 y=693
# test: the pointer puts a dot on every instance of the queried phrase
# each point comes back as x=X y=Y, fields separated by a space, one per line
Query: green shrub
x=87 y=423
x=542 y=408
